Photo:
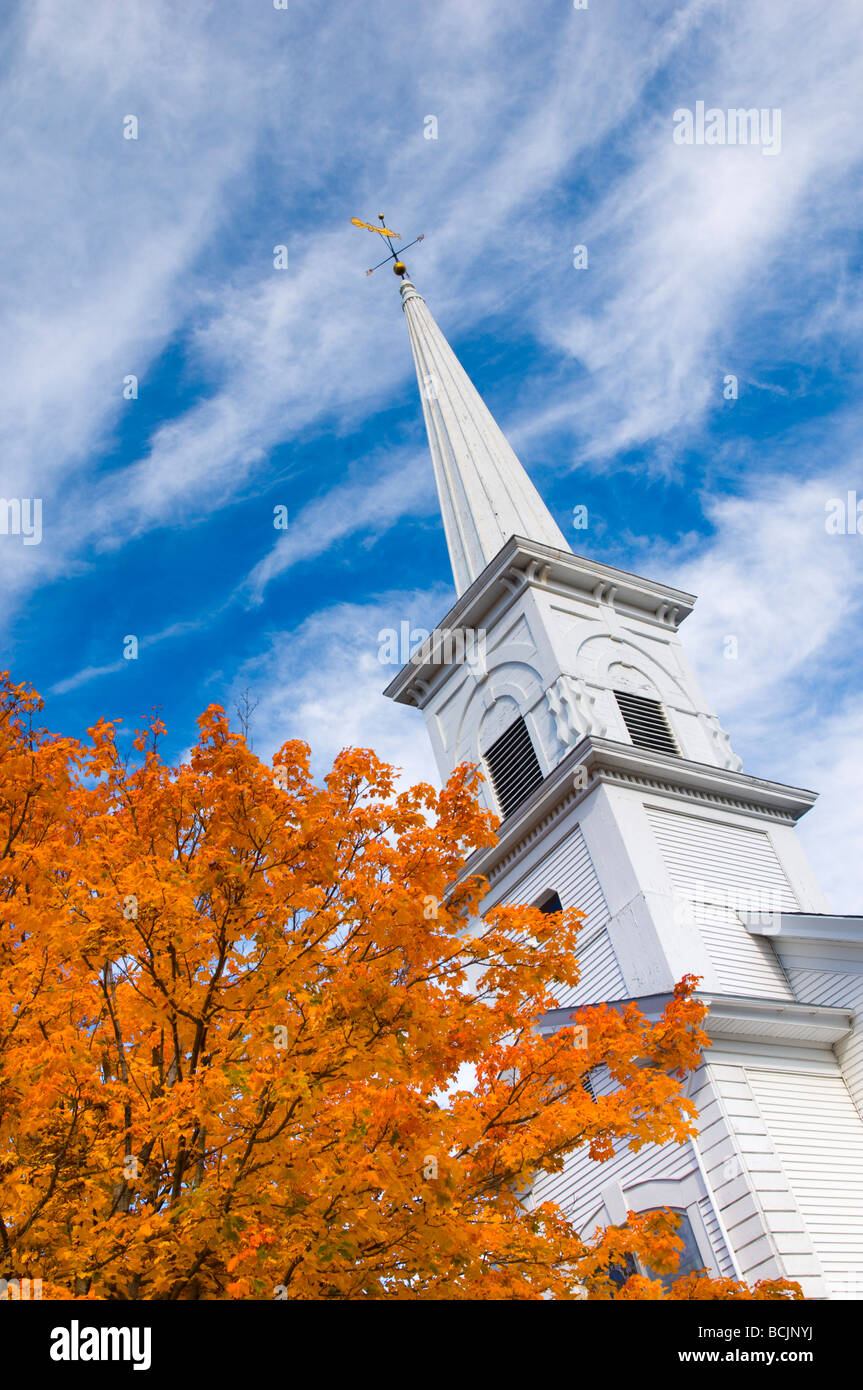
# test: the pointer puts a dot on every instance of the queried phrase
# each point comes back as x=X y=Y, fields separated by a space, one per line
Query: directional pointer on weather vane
x=383 y=230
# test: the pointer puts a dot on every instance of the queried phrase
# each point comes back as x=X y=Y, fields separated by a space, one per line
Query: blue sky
x=260 y=387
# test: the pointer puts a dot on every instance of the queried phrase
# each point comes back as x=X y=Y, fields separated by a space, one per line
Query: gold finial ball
x=400 y=268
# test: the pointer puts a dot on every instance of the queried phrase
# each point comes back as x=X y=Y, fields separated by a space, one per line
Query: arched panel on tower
x=513 y=688
x=599 y=653
x=607 y=664
x=495 y=721
x=623 y=676
x=459 y=715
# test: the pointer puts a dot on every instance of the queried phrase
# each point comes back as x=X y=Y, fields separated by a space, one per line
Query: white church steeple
x=485 y=494
x=621 y=796
x=574 y=647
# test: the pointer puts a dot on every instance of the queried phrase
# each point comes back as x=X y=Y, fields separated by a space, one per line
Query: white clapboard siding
x=577 y=1189
x=714 y=1234
x=600 y=978
x=717 y=1154
x=818 y=1136
x=844 y=991
x=746 y=1177
x=568 y=871
x=722 y=868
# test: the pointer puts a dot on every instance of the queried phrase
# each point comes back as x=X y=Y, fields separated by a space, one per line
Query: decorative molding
x=657 y=784
x=514 y=580
x=721 y=743
x=605 y=593
x=522 y=563
x=573 y=710
x=818 y=928
x=620 y=764
x=537 y=573
x=667 y=613
x=418 y=694
x=769 y=1020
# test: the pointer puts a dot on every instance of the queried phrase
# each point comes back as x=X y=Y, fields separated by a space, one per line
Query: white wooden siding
x=568 y=870
x=600 y=977
x=714 y=1235
x=729 y=1147
x=818 y=1137
x=577 y=1189
x=716 y=1149
x=845 y=991
x=720 y=868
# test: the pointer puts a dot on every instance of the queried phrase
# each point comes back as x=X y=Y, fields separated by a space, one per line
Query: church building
x=620 y=794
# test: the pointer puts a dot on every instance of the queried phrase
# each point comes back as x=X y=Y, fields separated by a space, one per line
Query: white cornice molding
x=522 y=563
x=772 y=1020
x=623 y=765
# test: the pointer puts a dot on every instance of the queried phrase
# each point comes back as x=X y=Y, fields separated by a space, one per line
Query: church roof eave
x=822 y=927
x=746 y=1018
x=811 y=941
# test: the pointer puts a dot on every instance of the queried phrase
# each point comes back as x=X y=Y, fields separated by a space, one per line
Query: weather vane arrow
x=383 y=230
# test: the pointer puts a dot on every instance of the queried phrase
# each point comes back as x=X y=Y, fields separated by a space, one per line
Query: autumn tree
x=256 y=1040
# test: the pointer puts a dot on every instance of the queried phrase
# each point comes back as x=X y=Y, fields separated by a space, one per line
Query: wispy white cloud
x=103 y=233
x=91 y=673
x=363 y=506
x=693 y=239
x=776 y=580
x=323 y=683
x=132 y=259
x=790 y=595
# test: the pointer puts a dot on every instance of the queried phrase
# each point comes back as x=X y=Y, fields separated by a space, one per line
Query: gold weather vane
x=383 y=230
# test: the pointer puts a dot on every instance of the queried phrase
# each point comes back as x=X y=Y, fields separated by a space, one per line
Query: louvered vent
x=645 y=719
x=514 y=767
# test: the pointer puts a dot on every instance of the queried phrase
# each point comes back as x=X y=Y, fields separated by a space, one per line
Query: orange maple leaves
x=242 y=1055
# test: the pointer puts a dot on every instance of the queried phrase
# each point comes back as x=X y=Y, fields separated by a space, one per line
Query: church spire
x=485 y=493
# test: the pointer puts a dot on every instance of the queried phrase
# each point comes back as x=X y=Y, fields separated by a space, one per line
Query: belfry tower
x=621 y=795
